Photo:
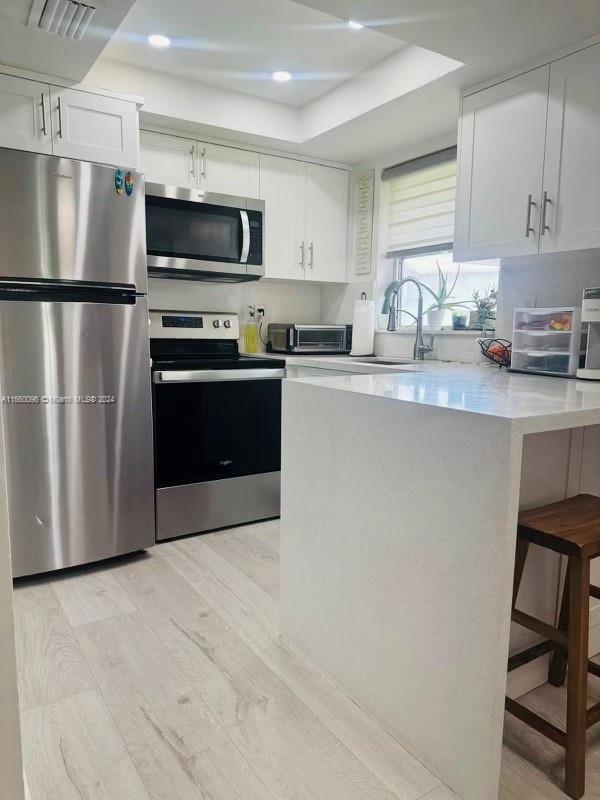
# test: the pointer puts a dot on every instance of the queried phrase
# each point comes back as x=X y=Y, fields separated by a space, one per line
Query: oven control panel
x=194 y=325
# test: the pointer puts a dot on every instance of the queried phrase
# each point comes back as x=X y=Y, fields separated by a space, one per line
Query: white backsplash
x=282 y=301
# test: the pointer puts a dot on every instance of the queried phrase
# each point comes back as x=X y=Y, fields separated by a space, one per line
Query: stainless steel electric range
x=217 y=425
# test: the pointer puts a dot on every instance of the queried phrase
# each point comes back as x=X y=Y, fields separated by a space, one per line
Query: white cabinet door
x=169 y=159
x=326 y=223
x=25 y=115
x=572 y=170
x=93 y=127
x=283 y=188
x=501 y=163
x=228 y=170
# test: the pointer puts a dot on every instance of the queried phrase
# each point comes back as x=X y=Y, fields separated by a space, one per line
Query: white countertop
x=539 y=403
x=345 y=363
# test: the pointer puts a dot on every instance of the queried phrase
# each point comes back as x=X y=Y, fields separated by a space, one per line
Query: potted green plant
x=442 y=298
x=485 y=308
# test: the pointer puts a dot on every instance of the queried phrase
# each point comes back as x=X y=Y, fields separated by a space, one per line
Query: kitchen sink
x=391 y=362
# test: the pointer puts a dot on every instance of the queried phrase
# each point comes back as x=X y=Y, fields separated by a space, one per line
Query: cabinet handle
x=44 y=130
x=311 y=248
x=530 y=205
x=193 y=167
x=301 y=264
x=545 y=203
x=60 y=129
x=204 y=175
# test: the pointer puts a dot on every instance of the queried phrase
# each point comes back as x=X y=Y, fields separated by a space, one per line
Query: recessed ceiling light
x=352 y=23
x=158 y=40
x=281 y=76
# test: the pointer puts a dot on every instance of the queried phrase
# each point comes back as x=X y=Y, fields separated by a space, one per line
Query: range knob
x=227 y=323
x=216 y=323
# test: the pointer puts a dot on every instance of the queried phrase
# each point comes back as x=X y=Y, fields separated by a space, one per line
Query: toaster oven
x=288 y=337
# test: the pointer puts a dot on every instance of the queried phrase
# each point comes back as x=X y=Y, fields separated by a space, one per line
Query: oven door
x=218 y=448
x=203 y=235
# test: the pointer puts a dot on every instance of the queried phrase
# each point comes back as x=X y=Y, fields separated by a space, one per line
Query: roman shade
x=420 y=195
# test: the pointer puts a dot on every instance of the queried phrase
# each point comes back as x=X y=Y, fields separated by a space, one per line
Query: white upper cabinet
x=25 y=115
x=94 y=127
x=529 y=168
x=228 y=170
x=572 y=171
x=168 y=160
x=283 y=189
x=306 y=220
x=176 y=161
x=501 y=165
x=326 y=223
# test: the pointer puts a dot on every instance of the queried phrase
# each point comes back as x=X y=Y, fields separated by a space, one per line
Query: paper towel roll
x=363 y=327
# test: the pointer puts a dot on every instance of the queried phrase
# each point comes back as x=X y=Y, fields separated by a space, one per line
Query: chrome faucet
x=420 y=348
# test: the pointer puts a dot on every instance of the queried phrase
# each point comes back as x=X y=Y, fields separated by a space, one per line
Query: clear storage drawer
x=555 y=341
x=547 y=340
x=555 y=364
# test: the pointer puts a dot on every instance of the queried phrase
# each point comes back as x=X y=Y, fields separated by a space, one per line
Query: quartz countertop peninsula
x=400 y=499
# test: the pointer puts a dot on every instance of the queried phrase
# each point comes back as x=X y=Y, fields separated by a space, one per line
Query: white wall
x=283 y=301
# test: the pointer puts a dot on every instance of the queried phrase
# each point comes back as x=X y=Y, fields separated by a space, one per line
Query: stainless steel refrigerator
x=75 y=385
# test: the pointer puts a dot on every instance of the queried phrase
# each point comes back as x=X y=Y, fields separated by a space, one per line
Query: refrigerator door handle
x=67 y=292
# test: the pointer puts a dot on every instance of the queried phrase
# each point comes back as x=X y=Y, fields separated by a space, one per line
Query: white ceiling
x=488 y=36
x=30 y=48
x=237 y=44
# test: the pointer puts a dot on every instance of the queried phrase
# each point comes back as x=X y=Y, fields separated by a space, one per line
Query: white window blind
x=421 y=195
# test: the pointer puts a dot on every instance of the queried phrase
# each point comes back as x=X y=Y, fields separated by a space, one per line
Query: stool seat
x=570 y=527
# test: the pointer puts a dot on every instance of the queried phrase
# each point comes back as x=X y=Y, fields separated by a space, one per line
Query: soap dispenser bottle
x=251 y=337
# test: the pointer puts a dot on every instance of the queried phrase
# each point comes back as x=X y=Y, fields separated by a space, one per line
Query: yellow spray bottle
x=251 y=332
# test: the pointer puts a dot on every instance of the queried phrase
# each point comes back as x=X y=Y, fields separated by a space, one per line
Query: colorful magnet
x=119 y=181
x=128 y=184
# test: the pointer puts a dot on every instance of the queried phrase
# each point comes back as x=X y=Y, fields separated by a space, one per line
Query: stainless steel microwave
x=202 y=235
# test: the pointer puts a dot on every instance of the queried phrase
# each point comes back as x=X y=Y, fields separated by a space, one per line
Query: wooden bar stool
x=572 y=528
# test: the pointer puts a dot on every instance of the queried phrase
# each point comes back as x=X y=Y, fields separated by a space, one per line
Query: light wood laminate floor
x=163 y=677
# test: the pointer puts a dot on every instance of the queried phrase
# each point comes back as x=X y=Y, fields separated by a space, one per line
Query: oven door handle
x=245 y=236
x=217 y=375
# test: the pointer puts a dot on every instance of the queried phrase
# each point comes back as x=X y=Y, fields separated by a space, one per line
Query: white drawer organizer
x=547 y=340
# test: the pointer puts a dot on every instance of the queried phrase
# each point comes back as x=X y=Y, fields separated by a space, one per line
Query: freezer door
x=71 y=220
x=76 y=415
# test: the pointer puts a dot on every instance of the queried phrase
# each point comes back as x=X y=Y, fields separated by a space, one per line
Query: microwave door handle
x=245 y=236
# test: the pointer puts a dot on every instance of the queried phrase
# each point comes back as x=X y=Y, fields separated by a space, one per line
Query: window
x=420 y=197
x=420 y=203
x=469 y=278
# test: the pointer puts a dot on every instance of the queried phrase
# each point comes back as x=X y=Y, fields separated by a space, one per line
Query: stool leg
x=579 y=599
x=558 y=664
x=520 y=558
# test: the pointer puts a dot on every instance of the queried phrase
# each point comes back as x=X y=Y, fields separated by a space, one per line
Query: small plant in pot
x=442 y=298
x=484 y=315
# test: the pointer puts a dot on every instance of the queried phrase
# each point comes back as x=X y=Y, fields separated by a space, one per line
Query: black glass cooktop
x=186 y=354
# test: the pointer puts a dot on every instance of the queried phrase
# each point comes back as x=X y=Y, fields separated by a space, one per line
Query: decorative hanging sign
x=364 y=189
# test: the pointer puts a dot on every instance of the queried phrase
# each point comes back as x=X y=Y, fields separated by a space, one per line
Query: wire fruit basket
x=498 y=351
